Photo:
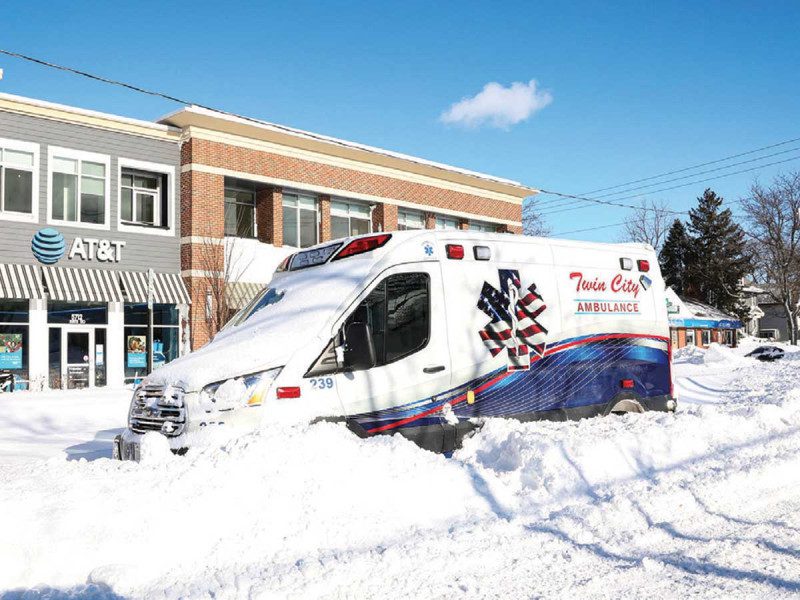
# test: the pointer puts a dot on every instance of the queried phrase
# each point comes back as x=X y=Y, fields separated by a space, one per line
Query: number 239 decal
x=322 y=383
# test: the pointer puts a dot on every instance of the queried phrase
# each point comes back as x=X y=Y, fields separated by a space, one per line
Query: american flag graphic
x=513 y=324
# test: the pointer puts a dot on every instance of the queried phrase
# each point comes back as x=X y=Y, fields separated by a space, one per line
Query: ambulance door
x=403 y=313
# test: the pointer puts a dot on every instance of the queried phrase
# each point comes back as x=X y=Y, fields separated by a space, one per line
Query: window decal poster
x=10 y=350
x=137 y=351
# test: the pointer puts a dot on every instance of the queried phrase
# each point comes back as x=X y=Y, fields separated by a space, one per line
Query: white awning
x=71 y=284
x=239 y=293
x=20 y=282
x=168 y=288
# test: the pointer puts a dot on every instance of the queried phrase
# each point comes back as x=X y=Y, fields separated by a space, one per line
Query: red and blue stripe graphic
x=574 y=372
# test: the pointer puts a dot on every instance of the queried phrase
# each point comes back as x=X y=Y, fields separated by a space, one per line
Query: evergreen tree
x=672 y=257
x=716 y=258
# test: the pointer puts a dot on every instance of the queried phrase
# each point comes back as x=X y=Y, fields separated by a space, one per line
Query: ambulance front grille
x=158 y=408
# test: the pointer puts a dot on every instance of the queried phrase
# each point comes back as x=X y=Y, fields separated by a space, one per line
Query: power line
x=685 y=212
x=158 y=94
x=581 y=203
x=619 y=205
x=697 y=166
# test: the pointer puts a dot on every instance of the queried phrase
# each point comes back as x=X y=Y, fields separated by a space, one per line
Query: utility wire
x=620 y=205
x=163 y=95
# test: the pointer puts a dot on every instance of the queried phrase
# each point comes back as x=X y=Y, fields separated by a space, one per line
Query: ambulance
x=425 y=334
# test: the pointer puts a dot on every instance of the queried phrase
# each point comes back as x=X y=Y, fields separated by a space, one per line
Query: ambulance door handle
x=433 y=369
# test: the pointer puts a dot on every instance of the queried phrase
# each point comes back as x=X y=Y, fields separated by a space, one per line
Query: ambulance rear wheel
x=626 y=406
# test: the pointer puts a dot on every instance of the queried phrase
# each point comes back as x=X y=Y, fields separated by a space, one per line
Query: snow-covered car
x=767 y=353
x=425 y=333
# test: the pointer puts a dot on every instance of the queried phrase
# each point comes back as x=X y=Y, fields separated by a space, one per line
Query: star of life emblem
x=514 y=325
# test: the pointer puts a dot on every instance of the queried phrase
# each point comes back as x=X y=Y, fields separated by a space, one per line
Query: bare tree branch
x=773 y=216
x=648 y=224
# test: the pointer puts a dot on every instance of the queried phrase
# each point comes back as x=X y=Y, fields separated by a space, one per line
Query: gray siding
x=774 y=318
x=142 y=250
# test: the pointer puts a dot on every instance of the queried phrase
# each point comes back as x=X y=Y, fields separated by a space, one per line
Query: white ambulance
x=425 y=334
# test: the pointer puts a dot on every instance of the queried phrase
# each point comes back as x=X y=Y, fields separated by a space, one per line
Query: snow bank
x=718 y=355
x=703 y=503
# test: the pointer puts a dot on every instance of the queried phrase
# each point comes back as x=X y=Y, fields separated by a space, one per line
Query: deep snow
x=705 y=503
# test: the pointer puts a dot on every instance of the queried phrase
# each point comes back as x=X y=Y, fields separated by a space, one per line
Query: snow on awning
x=239 y=293
x=20 y=282
x=168 y=288
x=81 y=285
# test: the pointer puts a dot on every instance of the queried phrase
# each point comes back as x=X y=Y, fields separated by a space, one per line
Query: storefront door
x=77 y=359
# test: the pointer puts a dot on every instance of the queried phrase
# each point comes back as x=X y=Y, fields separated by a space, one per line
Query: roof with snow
x=687 y=312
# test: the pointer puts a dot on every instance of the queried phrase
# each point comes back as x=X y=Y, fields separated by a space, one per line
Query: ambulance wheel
x=626 y=405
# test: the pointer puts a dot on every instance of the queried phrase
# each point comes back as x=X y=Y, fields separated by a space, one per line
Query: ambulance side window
x=397 y=312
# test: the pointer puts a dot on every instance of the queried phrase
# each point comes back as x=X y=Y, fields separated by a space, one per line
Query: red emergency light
x=644 y=265
x=361 y=245
x=288 y=392
x=455 y=251
x=626 y=384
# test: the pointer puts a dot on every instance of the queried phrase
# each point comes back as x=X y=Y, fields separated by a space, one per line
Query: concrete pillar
x=115 y=345
x=38 y=346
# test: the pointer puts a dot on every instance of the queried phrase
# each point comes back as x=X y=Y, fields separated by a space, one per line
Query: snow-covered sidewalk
x=703 y=503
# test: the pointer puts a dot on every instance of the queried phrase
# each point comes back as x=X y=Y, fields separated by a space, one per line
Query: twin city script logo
x=626 y=290
x=48 y=247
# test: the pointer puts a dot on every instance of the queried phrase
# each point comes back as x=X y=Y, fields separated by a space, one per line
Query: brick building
x=252 y=191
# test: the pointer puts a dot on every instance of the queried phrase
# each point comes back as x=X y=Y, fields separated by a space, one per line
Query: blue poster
x=137 y=352
x=10 y=350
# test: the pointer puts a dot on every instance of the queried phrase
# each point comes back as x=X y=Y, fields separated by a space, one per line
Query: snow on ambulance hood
x=299 y=321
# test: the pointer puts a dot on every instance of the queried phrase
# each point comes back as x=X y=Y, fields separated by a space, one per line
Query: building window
x=166 y=337
x=690 y=337
x=78 y=187
x=16 y=178
x=143 y=198
x=240 y=208
x=13 y=345
x=706 y=336
x=349 y=218
x=446 y=222
x=410 y=219
x=480 y=226
x=299 y=220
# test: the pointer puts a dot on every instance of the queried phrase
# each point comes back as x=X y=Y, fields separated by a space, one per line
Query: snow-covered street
x=705 y=503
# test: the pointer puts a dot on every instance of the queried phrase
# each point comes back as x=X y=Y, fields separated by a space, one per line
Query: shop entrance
x=82 y=356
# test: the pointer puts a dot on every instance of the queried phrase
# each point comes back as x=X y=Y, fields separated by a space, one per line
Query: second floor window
x=446 y=223
x=479 y=226
x=299 y=220
x=349 y=218
x=78 y=190
x=143 y=198
x=410 y=219
x=240 y=208
x=16 y=181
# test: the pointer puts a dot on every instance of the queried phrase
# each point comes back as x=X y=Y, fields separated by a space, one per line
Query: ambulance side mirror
x=359 y=351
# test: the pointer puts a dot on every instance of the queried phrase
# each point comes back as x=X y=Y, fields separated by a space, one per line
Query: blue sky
x=637 y=88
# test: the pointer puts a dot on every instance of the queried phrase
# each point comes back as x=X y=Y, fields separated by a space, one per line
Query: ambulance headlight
x=246 y=390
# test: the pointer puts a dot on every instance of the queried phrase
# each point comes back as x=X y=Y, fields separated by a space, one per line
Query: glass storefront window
x=76 y=313
x=13 y=311
x=14 y=357
x=163 y=314
x=166 y=340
